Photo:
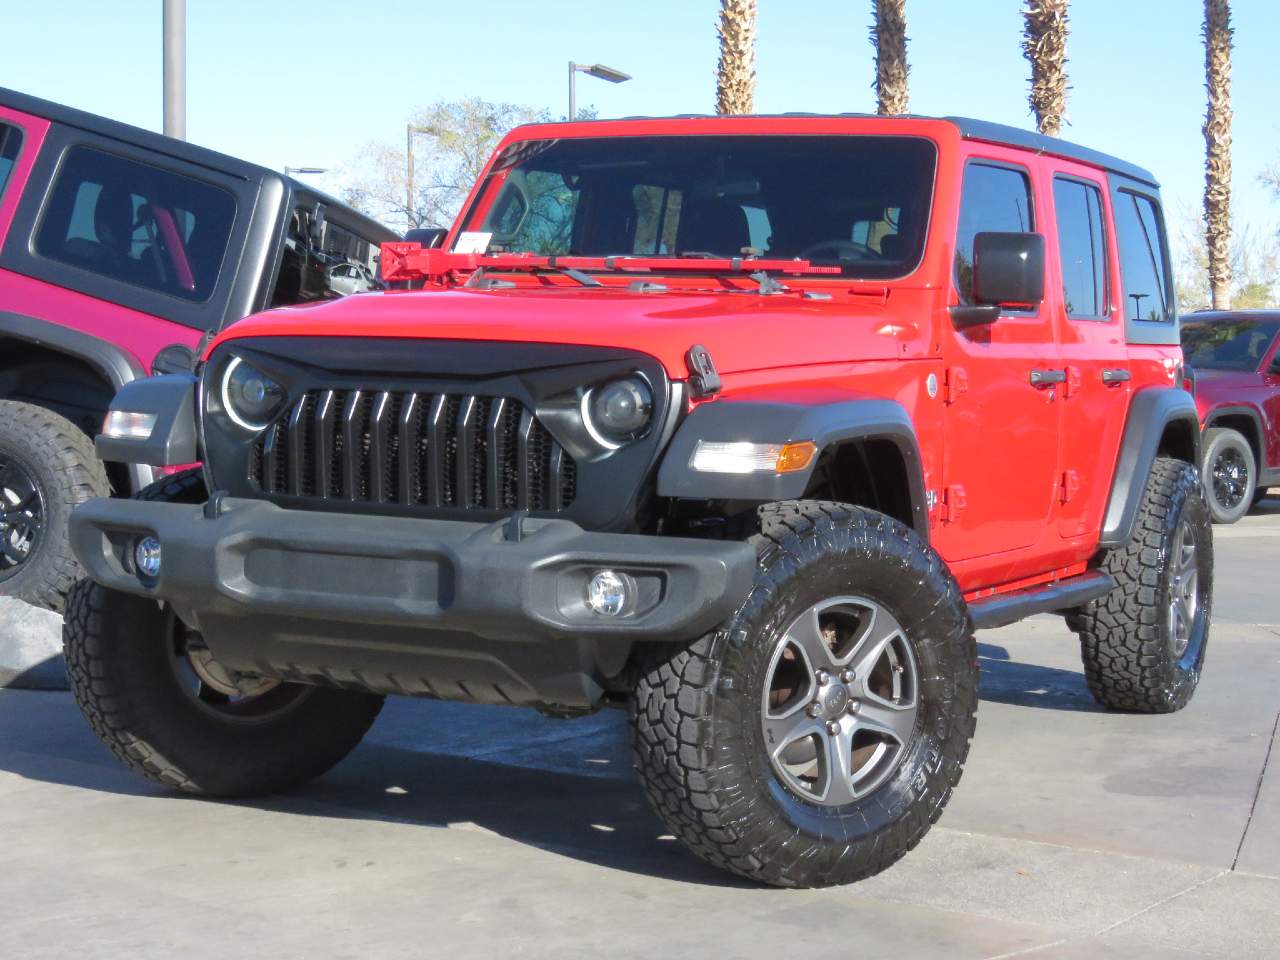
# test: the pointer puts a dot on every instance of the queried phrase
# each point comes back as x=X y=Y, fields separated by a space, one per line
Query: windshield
x=857 y=202
x=1237 y=345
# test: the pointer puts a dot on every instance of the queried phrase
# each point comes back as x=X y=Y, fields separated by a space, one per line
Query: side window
x=1082 y=248
x=534 y=212
x=342 y=263
x=657 y=219
x=10 y=142
x=136 y=223
x=1144 y=261
x=995 y=199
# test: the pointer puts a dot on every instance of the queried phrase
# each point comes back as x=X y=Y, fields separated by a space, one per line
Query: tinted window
x=10 y=141
x=994 y=200
x=136 y=223
x=1227 y=345
x=1144 y=265
x=1081 y=244
x=343 y=262
x=858 y=202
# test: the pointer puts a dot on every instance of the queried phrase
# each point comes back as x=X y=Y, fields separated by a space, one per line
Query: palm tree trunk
x=1217 y=141
x=736 y=77
x=1045 y=45
x=889 y=37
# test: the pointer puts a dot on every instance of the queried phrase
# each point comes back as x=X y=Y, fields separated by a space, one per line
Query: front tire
x=814 y=737
x=1143 y=644
x=155 y=696
x=1230 y=474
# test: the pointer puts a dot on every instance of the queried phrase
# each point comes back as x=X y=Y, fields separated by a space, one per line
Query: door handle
x=1047 y=378
x=1115 y=375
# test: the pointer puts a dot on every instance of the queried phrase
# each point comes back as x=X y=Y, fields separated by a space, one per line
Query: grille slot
x=416 y=450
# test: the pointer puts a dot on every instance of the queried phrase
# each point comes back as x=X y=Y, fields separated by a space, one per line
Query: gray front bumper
x=412 y=605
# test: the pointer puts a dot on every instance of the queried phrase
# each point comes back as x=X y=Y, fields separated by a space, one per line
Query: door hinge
x=957 y=383
x=1071 y=386
x=1070 y=486
x=953 y=503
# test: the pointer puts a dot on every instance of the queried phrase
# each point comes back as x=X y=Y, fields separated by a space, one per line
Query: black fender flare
x=764 y=421
x=115 y=365
x=1235 y=410
x=1151 y=411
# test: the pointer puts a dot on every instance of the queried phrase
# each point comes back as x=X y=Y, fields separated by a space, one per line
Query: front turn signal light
x=742 y=457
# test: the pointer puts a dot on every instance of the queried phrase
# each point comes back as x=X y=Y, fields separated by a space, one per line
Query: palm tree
x=736 y=77
x=889 y=37
x=1045 y=45
x=1217 y=140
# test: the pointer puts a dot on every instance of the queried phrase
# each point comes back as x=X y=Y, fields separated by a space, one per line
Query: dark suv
x=119 y=251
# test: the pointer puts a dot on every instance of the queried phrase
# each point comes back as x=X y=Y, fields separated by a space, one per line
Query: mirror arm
x=975 y=315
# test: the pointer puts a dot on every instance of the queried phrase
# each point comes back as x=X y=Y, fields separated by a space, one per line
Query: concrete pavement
x=1075 y=833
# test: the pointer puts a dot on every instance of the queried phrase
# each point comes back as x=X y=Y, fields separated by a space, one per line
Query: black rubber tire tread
x=691 y=770
x=69 y=473
x=1123 y=636
x=1213 y=439
x=143 y=717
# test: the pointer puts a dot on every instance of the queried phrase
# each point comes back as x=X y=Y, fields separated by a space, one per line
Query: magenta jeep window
x=136 y=223
x=10 y=142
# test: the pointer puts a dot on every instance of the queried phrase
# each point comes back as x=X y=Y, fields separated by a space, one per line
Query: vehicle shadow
x=1004 y=680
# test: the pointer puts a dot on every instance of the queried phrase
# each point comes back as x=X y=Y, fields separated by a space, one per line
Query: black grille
x=416 y=450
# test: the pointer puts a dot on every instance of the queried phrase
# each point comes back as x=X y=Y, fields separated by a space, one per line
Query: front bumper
x=477 y=611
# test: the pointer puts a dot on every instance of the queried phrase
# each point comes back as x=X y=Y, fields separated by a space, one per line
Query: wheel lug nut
x=832 y=727
x=815 y=709
x=853 y=706
x=847 y=676
x=823 y=678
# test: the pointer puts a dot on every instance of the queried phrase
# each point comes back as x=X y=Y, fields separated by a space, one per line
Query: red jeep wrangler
x=746 y=423
x=1233 y=362
x=119 y=249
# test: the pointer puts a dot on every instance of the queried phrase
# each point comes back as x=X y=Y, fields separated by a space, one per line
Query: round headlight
x=619 y=410
x=249 y=396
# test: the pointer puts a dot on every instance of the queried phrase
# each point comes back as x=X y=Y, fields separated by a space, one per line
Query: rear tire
x=127 y=673
x=1143 y=650
x=765 y=805
x=1230 y=474
x=47 y=467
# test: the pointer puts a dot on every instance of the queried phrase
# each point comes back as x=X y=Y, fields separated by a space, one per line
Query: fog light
x=146 y=557
x=127 y=425
x=611 y=594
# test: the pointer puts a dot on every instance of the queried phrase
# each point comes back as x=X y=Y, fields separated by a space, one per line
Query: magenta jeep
x=119 y=250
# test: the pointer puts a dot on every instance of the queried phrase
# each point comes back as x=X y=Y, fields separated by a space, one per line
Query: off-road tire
x=698 y=744
x=60 y=460
x=1215 y=442
x=1125 y=636
x=119 y=669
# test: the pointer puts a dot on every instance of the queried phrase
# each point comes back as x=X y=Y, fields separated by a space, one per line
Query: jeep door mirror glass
x=1008 y=268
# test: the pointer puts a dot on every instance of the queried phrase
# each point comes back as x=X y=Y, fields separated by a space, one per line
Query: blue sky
x=287 y=82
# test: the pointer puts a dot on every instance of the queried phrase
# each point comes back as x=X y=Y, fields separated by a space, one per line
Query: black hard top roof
x=168 y=146
x=970 y=129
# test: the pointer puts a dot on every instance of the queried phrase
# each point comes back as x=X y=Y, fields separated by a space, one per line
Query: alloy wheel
x=841 y=701
x=22 y=515
x=1230 y=478
x=1184 y=590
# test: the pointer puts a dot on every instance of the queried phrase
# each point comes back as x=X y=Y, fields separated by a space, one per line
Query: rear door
x=1087 y=310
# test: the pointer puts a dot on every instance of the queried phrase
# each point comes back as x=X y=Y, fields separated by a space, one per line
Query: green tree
x=1253 y=262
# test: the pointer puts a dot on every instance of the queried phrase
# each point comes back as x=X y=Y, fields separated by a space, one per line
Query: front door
x=1002 y=400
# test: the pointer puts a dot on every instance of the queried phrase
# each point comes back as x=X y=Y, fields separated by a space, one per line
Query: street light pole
x=175 y=68
x=597 y=70
x=409 y=130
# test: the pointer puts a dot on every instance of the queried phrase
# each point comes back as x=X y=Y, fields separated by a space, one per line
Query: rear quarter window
x=136 y=223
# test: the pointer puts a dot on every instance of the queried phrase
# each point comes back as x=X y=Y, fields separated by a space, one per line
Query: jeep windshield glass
x=1234 y=345
x=857 y=202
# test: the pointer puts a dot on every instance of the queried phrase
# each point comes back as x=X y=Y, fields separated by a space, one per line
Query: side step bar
x=1006 y=608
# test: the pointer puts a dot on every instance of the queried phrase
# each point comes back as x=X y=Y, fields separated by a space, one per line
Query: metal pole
x=408 y=180
x=573 y=93
x=175 y=68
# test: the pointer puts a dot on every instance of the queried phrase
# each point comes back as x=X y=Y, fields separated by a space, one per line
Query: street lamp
x=409 y=130
x=289 y=171
x=597 y=70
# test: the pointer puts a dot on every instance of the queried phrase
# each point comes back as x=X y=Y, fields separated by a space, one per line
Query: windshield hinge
x=703 y=379
x=768 y=285
x=479 y=281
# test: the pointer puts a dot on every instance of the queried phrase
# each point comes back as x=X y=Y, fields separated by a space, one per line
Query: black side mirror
x=1008 y=268
x=428 y=237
